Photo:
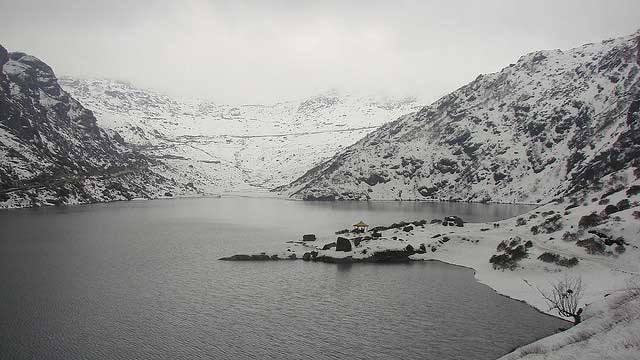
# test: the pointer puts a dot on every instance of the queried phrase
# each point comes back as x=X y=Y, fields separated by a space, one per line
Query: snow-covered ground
x=610 y=326
x=235 y=148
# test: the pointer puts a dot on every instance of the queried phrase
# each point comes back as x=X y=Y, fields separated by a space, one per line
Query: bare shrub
x=565 y=297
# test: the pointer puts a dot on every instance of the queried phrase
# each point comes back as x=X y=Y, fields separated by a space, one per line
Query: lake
x=141 y=280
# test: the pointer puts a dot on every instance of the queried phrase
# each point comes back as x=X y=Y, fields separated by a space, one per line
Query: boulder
x=407 y=228
x=422 y=249
x=358 y=240
x=309 y=237
x=343 y=244
x=329 y=246
x=410 y=250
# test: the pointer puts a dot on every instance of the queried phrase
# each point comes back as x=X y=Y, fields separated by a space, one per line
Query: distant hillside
x=53 y=152
x=235 y=148
x=548 y=124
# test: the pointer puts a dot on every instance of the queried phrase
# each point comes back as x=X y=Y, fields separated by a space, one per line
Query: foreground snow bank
x=610 y=330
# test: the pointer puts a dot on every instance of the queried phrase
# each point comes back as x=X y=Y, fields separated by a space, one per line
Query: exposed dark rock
x=409 y=249
x=257 y=257
x=309 y=237
x=329 y=246
x=4 y=56
x=407 y=228
x=343 y=244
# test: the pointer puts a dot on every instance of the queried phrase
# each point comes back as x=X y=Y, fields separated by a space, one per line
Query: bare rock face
x=537 y=129
x=54 y=151
x=343 y=244
x=4 y=56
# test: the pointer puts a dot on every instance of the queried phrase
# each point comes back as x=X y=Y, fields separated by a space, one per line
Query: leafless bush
x=565 y=297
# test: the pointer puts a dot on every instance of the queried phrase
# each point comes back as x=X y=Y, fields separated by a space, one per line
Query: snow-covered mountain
x=53 y=152
x=552 y=122
x=227 y=148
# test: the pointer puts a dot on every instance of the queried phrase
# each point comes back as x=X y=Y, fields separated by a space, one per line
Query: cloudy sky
x=265 y=51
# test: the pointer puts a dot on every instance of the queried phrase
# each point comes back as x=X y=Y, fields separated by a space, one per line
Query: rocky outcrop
x=52 y=150
x=343 y=244
x=258 y=257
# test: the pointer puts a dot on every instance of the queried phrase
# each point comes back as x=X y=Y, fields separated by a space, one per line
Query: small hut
x=360 y=226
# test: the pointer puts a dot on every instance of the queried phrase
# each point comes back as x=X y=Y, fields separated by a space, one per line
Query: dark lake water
x=140 y=280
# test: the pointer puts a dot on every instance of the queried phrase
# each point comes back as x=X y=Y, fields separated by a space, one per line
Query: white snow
x=235 y=148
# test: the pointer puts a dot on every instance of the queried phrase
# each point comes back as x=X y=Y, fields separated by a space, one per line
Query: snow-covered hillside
x=244 y=148
x=53 y=152
x=553 y=121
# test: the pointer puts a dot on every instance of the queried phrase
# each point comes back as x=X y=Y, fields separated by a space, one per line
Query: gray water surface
x=140 y=280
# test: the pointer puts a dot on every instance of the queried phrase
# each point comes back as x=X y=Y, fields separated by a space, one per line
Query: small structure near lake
x=360 y=226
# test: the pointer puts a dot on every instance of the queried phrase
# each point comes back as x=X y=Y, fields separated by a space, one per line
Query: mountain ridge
x=53 y=152
x=527 y=133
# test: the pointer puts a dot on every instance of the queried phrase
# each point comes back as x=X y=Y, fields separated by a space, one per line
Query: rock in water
x=343 y=244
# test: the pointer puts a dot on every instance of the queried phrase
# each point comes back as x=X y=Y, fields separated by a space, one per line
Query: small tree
x=565 y=297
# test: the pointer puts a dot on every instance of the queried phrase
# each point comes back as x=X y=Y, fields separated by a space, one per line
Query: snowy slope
x=227 y=148
x=553 y=121
x=606 y=250
x=611 y=330
x=53 y=152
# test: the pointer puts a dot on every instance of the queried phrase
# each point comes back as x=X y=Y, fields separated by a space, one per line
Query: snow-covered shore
x=598 y=226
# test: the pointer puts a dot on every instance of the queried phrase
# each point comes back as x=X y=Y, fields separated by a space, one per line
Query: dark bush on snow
x=521 y=221
x=610 y=209
x=568 y=262
x=502 y=261
x=633 y=190
x=623 y=204
x=550 y=257
x=551 y=224
x=570 y=236
x=513 y=251
x=590 y=220
x=592 y=246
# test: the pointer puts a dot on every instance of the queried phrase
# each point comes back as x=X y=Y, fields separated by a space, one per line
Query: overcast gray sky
x=265 y=51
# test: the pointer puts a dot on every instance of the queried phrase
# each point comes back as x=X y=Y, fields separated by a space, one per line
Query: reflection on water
x=141 y=280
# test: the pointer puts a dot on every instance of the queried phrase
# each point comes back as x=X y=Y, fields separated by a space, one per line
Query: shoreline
x=261 y=195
